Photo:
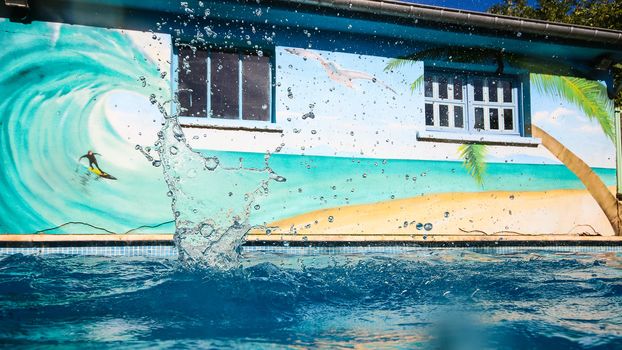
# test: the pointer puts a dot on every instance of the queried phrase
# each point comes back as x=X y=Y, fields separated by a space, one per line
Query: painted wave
x=59 y=88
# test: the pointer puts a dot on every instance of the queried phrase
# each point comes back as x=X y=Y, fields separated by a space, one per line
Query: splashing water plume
x=211 y=201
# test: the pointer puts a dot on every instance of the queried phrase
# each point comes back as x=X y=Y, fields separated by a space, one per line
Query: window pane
x=508 y=119
x=478 y=91
x=443 y=111
x=492 y=91
x=192 y=88
x=256 y=88
x=507 y=91
x=457 y=88
x=479 y=118
x=429 y=114
x=458 y=117
x=493 y=115
x=224 y=79
x=442 y=87
x=428 y=86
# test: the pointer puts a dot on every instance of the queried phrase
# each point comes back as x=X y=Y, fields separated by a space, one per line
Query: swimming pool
x=518 y=298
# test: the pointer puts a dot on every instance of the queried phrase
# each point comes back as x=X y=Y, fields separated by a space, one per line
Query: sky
x=473 y=5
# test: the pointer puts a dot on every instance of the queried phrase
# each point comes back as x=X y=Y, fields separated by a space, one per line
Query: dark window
x=508 y=119
x=428 y=86
x=224 y=85
x=479 y=118
x=493 y=114
x=192 y=88
x=457 y=88
x=458 y=117
x=443 y=111
x=256 y=88
x=492 y=91
x=478 y=90
x=442 y=87
x=507 y=91
x=429 y=114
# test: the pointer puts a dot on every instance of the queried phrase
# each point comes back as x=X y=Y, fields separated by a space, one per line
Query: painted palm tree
x=587 y=95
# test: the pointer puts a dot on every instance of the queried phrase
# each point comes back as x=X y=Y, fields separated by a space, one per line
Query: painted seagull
x=336 y=72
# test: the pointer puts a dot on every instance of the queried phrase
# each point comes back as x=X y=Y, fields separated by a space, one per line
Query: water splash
x=211 y=201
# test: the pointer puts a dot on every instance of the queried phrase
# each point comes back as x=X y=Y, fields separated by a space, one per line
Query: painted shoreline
x=455 y=217
x=495 y=213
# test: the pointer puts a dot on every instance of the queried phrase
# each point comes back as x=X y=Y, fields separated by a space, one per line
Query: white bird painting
x=337 y=73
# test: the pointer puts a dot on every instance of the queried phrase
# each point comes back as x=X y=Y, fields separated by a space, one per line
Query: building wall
x=69 y=89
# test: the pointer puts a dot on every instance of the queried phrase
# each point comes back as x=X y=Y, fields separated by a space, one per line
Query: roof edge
x=463 y=17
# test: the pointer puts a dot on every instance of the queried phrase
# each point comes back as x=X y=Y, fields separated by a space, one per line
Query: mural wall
x=64 y=91
x=348 y=146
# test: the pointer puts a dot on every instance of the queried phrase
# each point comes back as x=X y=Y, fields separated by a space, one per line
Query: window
x=462 y=103
x=224 y=85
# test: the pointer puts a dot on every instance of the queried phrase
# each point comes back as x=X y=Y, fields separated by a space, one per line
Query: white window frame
x=213 y=122
x=469 y=104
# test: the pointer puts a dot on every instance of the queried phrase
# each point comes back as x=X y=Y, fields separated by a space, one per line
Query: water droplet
x=178 y=133
x=257 y=207
x=331 y=218
x=211 y=163
x=427 y=226
x=156 y=163
x=419 y=226
x=173 y=150
x=446 y=214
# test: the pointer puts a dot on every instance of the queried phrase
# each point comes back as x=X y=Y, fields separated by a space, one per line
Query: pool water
x=414 y=298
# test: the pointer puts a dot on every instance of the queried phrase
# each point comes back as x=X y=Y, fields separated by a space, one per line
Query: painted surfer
x=90 y=155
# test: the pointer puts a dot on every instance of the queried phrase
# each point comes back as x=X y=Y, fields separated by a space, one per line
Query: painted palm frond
x=587 y=95
x=474 y=160
x=396 y=63
x=417 y=83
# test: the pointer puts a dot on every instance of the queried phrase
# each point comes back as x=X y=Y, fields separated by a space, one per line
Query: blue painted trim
x=525 y=105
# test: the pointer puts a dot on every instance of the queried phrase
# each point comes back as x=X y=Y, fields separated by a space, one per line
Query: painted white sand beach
x=557 y=212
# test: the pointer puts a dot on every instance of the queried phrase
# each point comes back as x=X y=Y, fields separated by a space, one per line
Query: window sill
x=485 y=139
x=233 y=125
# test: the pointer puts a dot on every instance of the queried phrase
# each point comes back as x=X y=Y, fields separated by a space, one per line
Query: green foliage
x=474 y=156
x=396 y=63
x=593 y=13
x=587 y=95
x=416 y=84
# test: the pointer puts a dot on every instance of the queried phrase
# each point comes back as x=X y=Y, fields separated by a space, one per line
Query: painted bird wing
x=350 y=74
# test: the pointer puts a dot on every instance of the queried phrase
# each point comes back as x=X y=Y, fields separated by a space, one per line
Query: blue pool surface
x=413 y=298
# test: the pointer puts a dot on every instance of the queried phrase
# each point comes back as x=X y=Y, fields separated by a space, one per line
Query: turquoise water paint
x=315 y=182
